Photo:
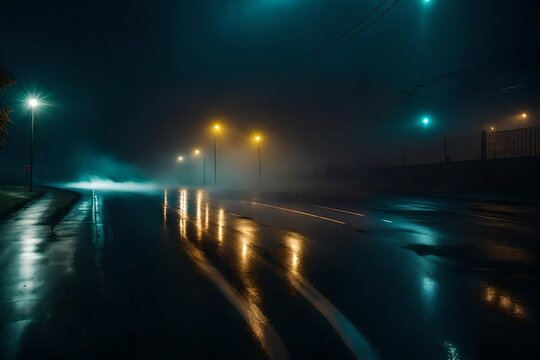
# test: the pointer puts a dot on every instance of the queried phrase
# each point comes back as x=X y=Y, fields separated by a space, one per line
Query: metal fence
x=509 y=143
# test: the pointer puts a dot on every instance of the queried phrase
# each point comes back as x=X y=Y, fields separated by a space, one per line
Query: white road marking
x=340 y=210
x=300 y=212
x=354 y=340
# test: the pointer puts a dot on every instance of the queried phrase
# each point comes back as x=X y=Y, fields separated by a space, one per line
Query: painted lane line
x=340 y=210
x=345 y=329
x=258 y=323
x=254 y=317
x=354 y=340
x=300 y=212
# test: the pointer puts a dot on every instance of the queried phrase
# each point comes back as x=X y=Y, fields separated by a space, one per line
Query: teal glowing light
x=33 y=102
x=110 y=185
x=425 y=121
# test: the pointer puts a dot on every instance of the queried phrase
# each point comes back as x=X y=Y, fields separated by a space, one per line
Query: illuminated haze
x=134 y=84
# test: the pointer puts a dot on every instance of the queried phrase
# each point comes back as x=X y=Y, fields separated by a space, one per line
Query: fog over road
x=191 y=273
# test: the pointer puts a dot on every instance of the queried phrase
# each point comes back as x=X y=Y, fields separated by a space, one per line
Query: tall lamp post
x=426 y=122
x=197 y=152
x=216 y=128
x=33 y=103
x=258 y=139
x=179 y=160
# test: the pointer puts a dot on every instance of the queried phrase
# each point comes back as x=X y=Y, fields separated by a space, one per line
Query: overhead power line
x=357 y=29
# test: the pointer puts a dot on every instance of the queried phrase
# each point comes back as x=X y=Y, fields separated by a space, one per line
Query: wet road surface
x=186 y=273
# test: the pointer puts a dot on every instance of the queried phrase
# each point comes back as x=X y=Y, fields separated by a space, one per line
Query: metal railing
x=509 y=143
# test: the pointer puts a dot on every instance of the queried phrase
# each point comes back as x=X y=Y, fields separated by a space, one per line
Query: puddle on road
x=490 y=258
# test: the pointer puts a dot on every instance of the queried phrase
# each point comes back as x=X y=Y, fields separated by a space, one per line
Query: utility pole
x=30 y=183
x=259 y=149
x=445 y=150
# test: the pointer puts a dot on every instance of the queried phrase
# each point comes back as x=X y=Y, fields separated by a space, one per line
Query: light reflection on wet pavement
x=267 y=277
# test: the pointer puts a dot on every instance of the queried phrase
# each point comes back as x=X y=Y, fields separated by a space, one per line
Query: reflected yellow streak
x=247 y=230
x=354 y=340
x=207 y=217
x=295 y=263
x=198 y=216
x=165 y=205
x=346 y=330
x=504 y=302
x=221 y=225
x=294 y=243
x=258 y=323
x=340 y=210
x=182 y=213
x=244 y=250
x=300 y=212
x=490 y=294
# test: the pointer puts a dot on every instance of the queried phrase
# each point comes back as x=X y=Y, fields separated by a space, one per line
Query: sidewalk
x=49 y=288
x=15 y=198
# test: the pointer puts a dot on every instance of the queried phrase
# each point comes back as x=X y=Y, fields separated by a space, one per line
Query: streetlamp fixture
x=216 y=129
x=33 y=103
x=258 y=139
x=196 y=153
x=180 y=159
x=524 y=115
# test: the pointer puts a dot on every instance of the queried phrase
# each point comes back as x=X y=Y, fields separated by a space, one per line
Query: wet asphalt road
x=185 y=273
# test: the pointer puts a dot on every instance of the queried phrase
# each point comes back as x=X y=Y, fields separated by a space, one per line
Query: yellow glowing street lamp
x=524 y=115
x=257 y=139
x=196 y=153
x=33 y=103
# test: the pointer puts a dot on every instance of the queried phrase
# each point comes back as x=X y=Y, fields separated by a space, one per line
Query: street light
x=33 y=103
x=180 y=159
x=258 y=139
x=216 y=129
x=524 y=115
x=196 y=153
x=425 y=121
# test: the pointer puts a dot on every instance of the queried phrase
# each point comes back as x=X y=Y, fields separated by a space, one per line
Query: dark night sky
x=139 y=81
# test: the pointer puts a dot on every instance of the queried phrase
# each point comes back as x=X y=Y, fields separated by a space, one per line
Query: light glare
x=33 y=102
x=109 y=185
